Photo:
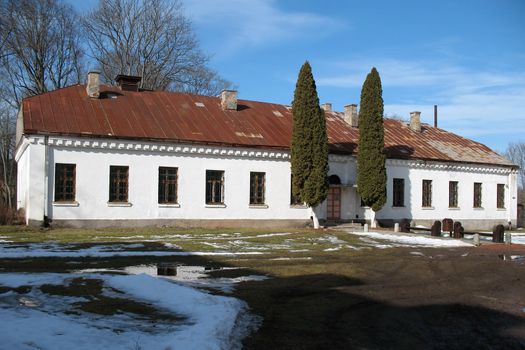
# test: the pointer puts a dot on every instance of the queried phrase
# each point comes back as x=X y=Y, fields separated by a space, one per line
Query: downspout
x=511 y=198
x=46 y=178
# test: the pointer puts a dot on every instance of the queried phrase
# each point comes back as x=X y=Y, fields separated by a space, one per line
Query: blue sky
x=465 y=56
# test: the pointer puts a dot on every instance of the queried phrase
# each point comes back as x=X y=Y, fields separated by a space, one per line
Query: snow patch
x=37 y=250
x=213 y=322
x=407 y=241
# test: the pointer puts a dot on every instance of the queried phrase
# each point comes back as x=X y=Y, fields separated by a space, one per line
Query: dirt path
x=401 y=298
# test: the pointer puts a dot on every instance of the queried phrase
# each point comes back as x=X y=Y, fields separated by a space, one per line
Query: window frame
x=500 y=196
x=118 y=184
x=478 y=195
x=426 y=193
x=61 y=195
x=165 y=180
x=453 y=194
x=257 y=188
x=213 y=182
x=398 y=192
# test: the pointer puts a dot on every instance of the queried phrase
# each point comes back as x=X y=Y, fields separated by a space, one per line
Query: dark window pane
x=453 y=194
x=257 y=184
x=427 y=193
x=118 y=183
x=167 y=185
x=65 y=182
x=477 y=194
x=294 y=200
x=501 y=196
x=399 y=193
x=214 y=187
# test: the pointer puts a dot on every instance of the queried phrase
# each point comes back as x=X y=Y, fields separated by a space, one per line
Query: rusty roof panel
x=180 y=117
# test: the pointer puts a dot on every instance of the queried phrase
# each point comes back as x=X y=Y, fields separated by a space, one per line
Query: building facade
x=123 y=157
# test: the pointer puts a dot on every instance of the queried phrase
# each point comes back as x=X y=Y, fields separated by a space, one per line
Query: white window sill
x=166 y=205
x=478 y=208
x=298 y=206
x=215 y=206
x=398 y=207
x=501 y=209
x=258 y=206
x=65 y=204
x=119 y=204
x=454 y=208
x=427 y=208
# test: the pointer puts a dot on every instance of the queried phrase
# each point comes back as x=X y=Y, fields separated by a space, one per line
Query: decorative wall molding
x=237 y=152
x=451 y=166
x=137 y=146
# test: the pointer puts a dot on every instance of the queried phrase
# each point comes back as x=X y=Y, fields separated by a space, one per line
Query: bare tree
x=39 y=51
x=41 y=47
x=7 y=163
x=516 y=153
x=152 y=39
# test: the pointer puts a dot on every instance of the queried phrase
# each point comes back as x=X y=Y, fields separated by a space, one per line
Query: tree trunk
x=315 y=219
x=373 y=223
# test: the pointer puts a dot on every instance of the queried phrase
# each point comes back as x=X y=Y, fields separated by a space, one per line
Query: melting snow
x=38 y=250
x=30 y=322
x=399 y=240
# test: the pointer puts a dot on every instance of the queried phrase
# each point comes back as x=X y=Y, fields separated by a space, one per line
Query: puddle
x=193 y=276
x=512 y=257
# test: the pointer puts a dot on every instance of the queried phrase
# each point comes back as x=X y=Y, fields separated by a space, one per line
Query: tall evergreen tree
x=309 y=143
x=371 y=173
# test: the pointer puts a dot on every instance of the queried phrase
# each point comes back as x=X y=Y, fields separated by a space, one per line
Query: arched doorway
x=333 y=201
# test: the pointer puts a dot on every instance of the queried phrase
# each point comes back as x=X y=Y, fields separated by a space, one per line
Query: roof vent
x=128 y=82
x=351 y=116
x=229 y=100
x=415 y=121
x=93 y=84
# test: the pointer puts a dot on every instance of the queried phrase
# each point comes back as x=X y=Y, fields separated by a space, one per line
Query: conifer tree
x=309 y=149
x=371 y=173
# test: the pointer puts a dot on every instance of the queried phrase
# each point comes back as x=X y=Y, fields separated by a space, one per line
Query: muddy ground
x=403 y=298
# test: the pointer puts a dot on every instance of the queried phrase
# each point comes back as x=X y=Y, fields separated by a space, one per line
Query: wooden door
x=333 y=200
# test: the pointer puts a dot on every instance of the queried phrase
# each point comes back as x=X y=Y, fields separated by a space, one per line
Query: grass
x=314 y=298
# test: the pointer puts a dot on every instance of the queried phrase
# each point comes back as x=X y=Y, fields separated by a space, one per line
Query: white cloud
x=471 y=103
x=255 y=23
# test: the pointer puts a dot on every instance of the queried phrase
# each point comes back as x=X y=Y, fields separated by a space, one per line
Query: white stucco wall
x=440 y=174
x=30 y=159
x=93 y=158
x=414 y=172
x=92 y=182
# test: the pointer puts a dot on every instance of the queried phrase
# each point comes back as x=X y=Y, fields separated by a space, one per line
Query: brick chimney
x=93 y=84
x=351 y=116
x=229 y=100
x=128 y=82
x=415 y=121
x=327 y=107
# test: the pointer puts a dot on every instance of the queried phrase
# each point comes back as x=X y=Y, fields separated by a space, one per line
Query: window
x=167 y=185
x=65 y=175
x=426 y=200
x=477 y=194
x=214 y=187
x=118 y=183
x=501 y=196
x=399 y=193
x=257 y=187
x=453 y=194
x=294 y=200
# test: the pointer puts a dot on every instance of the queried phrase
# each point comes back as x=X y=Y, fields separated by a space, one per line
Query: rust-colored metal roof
x=180 y=117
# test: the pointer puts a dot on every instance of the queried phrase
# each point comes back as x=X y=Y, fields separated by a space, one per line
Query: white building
x=108 y=156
